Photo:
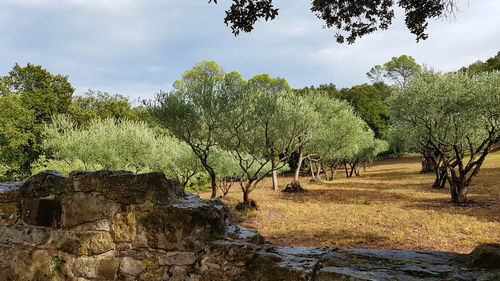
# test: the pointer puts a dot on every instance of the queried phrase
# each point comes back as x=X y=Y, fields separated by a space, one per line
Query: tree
x=258 y=124
x=491 y=64
x=97 y=104
x=273 y=87
x=368 y=102
x=227 y=170
x=35 y=91
x=16 y=136
x=117 y=144
x=399 y=70
x=194 y=111
x=352 y=19
x=455 y=115
x=332 y=136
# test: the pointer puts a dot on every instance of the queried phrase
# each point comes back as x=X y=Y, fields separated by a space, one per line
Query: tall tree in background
x=398 y=70
x=491 y=64
x=351 y=19
x=34 y=91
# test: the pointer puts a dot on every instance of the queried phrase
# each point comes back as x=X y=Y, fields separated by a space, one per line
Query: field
x=390 y=206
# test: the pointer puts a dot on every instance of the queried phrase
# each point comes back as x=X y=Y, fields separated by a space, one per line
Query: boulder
x=294 y=187
x=486 y=256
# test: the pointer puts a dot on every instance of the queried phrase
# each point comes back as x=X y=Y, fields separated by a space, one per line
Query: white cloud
x=137 y=47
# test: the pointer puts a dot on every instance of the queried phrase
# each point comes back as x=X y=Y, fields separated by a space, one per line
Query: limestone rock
x=177 y=258
x=97 y=267
x=83 y=243
x=28 y=235
x=9 y=213
x=27 y=264
x=125 y=227
x=131 y=267
x=126 y=187
x=43 y=184
x=81 y=208
x=486 y=256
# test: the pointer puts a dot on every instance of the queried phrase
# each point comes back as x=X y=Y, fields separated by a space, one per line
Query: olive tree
x=194 y=111
x=456 y=116
x=259 y=124
x=105 y=144
x=114 y=144
x=333 y=134
x=270 y=86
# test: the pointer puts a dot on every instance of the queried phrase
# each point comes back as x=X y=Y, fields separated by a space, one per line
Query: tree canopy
x=351 y=19
x=398 y=70
x=455 y=116
x=29 y=97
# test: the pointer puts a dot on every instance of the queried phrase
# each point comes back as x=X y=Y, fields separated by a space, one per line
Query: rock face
x=116 y=225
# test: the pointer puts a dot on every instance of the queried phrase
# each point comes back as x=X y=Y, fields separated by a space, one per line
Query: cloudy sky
x=138 y=47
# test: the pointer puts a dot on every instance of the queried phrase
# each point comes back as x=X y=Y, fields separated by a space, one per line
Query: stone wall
x=116 y=225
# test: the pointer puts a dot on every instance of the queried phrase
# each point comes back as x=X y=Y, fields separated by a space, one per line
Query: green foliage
x=262 y=125
x=29 y=97
x=58 y=262
x=351 y=19
x=398 y=70
x=114 y=144
x=337 y=129
x=491 y=64
x=97 y=104
x=195 y=109
x=368 y=103
x=452 y=114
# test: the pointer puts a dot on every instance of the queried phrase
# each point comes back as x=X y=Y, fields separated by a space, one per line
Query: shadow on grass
x=343 y=238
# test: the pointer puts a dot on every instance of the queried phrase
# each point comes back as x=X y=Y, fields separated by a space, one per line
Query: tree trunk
x=428 y=162
x=324 y=172
x=441 y=177
x=274 y=173
x=458 y=187
x=214 y=185
x=333 y=171
x=246 y=191
x=346 y=172
x=299 y=164
x=312 y=169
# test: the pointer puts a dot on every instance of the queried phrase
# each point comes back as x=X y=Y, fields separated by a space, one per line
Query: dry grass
x=390 y=206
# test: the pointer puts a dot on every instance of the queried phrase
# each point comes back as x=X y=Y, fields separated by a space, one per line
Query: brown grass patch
x=390 y=206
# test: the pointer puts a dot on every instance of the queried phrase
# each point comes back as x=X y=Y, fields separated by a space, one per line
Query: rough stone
x=98 y=267
x=126 y=187
x=81 y=208
x=27 y=235
x=83 y=243
x=10 y=186
x=125 y=227
x=27 y=264
x=486 y=256
x=9 y=213
x=116 y=225
x=131 y=267
x=43 y=184
x=177 y=258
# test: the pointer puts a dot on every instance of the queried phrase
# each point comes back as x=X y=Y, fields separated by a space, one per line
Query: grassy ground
x=390 y=206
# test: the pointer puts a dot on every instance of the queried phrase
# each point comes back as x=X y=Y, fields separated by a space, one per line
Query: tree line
x=216 y=127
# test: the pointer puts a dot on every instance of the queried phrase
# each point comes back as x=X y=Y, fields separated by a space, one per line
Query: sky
x=138 y=47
